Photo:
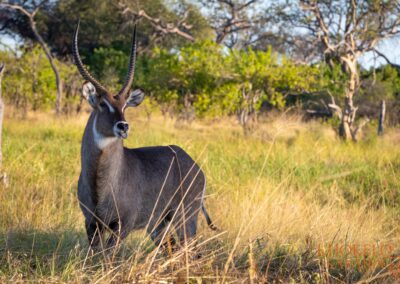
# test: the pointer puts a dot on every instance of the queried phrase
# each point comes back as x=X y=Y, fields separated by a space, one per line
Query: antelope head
x=109 y=108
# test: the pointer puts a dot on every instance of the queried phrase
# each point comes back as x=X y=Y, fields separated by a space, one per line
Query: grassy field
x=293 y=204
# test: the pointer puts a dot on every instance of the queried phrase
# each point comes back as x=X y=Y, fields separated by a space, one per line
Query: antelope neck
x=99 y=140
x=95 y=146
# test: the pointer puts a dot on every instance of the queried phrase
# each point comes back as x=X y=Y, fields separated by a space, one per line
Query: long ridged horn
x=84 y=72
x=131 y=69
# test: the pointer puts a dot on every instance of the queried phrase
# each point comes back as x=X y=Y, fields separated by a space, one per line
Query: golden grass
x=280 y=196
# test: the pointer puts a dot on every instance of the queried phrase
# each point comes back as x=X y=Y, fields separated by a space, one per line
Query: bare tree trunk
x=381 y=118
x=346 y=128
x=53 y=65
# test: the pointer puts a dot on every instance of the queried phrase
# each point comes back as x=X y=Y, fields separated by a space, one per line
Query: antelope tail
x=208 y=219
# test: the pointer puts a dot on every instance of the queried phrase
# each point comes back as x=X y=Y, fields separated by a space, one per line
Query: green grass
x=278 y=195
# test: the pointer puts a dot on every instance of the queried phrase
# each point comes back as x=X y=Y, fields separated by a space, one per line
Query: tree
x=157 y=74
x=377 y=85
x=162 y=25
x=105 y=24
x=344 y=30
x=104 y=43
x=230 y=19
x=261 y=77
x=205 y=79
x=30 y=81
x=30 y=14
x=183 y=78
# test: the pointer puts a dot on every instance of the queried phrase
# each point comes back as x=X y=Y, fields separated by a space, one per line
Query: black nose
x=123 y=126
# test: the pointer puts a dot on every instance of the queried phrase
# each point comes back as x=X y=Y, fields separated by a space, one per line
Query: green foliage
x=268 y=78
x=202 y=77
x=216 y=81
x=158 y=72
x=29 y=80
x=190 y=73
x=109 y=65
x=333 y=79
x=384 y=83
x=254 y=73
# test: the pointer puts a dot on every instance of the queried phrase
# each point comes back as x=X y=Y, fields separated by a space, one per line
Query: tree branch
x=380 y=54
x=159 y=25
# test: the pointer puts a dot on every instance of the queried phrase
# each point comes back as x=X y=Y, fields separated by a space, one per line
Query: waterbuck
x=123 y=189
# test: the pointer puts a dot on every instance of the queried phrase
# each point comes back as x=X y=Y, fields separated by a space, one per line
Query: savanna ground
x=292 y=202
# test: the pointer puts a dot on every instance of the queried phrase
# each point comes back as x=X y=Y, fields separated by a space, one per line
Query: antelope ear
x=90 y=94
x=135 y=98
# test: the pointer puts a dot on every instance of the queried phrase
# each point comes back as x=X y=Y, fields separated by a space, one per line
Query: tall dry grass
x=284 y=199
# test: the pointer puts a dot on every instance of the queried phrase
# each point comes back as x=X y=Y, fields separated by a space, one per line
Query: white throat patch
x=101 y=141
